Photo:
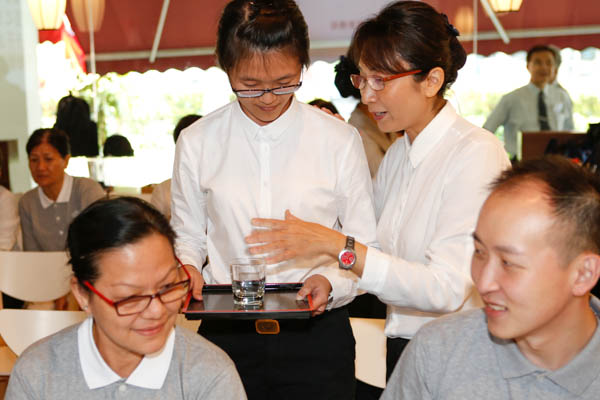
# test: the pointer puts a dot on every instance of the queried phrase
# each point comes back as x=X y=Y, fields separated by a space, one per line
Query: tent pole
x=475 y=25
x=92 y=59
x=159 y=29
x=490 y=12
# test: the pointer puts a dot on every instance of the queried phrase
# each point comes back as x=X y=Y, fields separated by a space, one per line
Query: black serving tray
x=279 y=303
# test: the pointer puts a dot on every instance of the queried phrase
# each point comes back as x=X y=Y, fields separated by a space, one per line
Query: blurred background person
x=320 y=103
x=73 y=117
x=161 y=193
x=47 y=210
x=9 y=217
x=117 y=146
x=533 y=107
x=9 y=232
x=430 y=184
x=563 y=97
x=128 y=280
x=375 y=142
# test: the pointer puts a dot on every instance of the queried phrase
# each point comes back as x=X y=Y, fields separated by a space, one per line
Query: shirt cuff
x=375 y=271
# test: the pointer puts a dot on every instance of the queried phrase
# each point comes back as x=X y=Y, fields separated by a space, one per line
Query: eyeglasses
x=137 y=304
x=246 y=93
x=377 y=82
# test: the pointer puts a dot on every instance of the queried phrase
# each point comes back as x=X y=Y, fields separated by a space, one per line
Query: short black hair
x=183 y=123
x=250 y=26
x=324 y=104
x=538 y=49
x=117 y=146
x=573 y=193
x=108 y=224
x=55 y=137
x=412 y=32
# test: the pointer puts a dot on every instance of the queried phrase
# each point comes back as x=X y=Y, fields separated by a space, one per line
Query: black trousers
x=395 y=347
x=308 y=359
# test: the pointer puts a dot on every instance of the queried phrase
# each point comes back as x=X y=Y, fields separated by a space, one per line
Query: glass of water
x=248 y=281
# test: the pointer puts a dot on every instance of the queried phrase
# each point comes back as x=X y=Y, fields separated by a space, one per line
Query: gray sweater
x=45 y=229
x=455 y=358
x=50 y=369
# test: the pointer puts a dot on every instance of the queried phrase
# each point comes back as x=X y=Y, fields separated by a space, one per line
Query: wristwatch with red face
x=347 y=257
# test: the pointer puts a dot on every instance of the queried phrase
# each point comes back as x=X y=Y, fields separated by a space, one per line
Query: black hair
x=324 y=104
x=343 y=69
x=73 y=117
x=53 y=136
x=117 y=146
x=183 y=123
x=573 y=193
x=411 y=32
x=249 y=26
x=109 y=224
x=540 y=48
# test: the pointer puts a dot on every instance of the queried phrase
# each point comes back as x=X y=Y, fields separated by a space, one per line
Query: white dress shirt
x=150 y=372
x=229 y=170
x=9 y=219
x=517 y=111
x=427 y=199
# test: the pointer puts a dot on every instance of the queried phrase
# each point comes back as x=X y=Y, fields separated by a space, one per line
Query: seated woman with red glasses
x=127 y=278
x=429 y=187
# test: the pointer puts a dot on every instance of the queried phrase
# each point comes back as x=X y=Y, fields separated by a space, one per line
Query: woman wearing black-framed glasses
x=127 y=278
x=256 y=157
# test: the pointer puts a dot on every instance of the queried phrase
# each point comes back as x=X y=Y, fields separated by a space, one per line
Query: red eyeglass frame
x=152 y=296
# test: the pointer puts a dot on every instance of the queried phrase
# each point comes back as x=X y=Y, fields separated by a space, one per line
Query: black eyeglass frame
x=279 y=91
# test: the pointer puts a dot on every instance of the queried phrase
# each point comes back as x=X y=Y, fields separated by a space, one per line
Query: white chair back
x=34 y=276
x=21 y=328
x=370 y=350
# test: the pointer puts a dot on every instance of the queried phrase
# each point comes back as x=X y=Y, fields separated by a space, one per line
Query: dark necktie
x=542 y=113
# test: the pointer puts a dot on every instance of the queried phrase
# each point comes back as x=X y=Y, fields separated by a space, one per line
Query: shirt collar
x=431 y=135
x=575 y=377
x=272 y=131
x=150 y=373
x=536 y=89
x=63 y=196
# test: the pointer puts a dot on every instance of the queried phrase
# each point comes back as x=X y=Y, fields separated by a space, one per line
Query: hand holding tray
x=279 y=303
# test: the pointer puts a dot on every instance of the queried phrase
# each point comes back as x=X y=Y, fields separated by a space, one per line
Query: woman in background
x=47 y=211
x=128 y=280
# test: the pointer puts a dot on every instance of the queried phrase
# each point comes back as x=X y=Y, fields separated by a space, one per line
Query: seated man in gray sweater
x=537 y=245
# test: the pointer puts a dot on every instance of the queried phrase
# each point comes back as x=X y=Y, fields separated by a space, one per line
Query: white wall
x=20 y=109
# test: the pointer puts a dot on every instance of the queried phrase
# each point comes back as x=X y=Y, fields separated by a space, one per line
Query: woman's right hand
x=293 y=238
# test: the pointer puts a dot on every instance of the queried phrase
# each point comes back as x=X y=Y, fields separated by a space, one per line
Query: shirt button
x=122 y=387
x=60 y=232
x=58 y=218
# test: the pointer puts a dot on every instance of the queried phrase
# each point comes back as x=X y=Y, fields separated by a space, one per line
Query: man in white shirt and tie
x=533 y=107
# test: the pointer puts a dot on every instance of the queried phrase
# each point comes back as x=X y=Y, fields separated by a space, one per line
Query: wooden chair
x=370 y=350
x=34 y=276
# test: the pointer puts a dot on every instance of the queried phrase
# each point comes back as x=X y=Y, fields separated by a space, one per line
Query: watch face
x=347 y=258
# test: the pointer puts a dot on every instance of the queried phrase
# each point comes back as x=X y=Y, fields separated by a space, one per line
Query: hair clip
x=449 y=27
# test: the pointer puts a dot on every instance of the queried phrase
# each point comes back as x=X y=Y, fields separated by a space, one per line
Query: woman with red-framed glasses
x=429 y=187
x=127 y=278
